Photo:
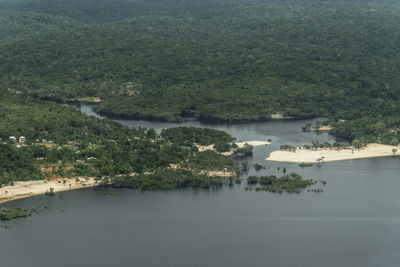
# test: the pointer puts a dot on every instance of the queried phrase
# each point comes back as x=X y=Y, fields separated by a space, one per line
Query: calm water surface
x=355 y=222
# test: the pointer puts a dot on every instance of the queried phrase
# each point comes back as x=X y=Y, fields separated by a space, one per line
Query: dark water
x=355 y=222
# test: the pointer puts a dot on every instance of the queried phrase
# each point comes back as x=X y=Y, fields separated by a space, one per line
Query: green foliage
x=306 y=164
x=107 y=193
x=167 y=180
x=93 y=11
x=89 y=146
x=306 y=128
x=341 y=144
x=356 y=143
x=394 y=142
x=290 y=183
x=381 y=128
x=11 y=214
x=222 y=147
x=211 y=161
x=258 y=167
x=287 y=147
x=317 y=144
x=220 y=60
x=50 y=192
x=17 y=164
x=253 y=180
x=202 y=136
x=246 y=150
x=213 y=60
x=244 y=166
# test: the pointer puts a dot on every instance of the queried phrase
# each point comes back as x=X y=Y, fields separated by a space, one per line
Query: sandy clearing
x=326 y=155
x=325 y=128
x=229 y=153
x=279 y=116
x=26 y=189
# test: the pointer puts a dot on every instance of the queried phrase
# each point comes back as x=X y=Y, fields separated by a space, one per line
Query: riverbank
x=25 y=189
x=240 y=145
x=88 y=99
x=327 y=155
x=253 y=143
x=279 y=116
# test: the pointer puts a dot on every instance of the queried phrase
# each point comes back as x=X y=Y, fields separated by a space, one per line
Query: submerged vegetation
x=107 y=193
x=50 y=192
x=306 y=164
x=258 y=167
x=11 y=214
x=290 y=183
x=245 y=151
x=167 y=180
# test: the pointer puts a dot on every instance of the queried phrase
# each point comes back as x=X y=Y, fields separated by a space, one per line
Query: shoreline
x=328 y=155
x=26 y=189
x=239 y=144
x=253 y=143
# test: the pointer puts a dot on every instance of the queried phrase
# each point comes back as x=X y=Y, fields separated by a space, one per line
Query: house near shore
x=22 y=139
x=13 y=138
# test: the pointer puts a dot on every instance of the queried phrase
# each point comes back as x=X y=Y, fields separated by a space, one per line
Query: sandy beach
x=240 y=145
x=33 y=188
x=279 y=116
x=325 y=128
x=327 y=155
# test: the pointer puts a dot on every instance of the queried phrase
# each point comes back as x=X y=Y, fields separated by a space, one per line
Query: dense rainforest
x=37 y=136
x=223 y=60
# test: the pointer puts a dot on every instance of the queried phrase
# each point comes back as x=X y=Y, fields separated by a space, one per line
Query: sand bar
x=26 y=189
x=253 y=143
x=229 y=153
x=325 y=128
x=326 y=155
x=279 y=116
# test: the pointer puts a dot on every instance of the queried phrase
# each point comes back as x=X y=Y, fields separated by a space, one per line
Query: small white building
x=22 y=139
x=13 y=138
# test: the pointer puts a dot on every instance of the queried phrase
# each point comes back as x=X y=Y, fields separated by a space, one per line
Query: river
x=354 y=222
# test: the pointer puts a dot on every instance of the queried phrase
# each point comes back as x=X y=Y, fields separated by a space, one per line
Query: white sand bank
x=33 y=188
x=326 y=155
x=240 y=144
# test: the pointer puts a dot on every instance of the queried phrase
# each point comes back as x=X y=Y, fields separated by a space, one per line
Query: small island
x=289 y=183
